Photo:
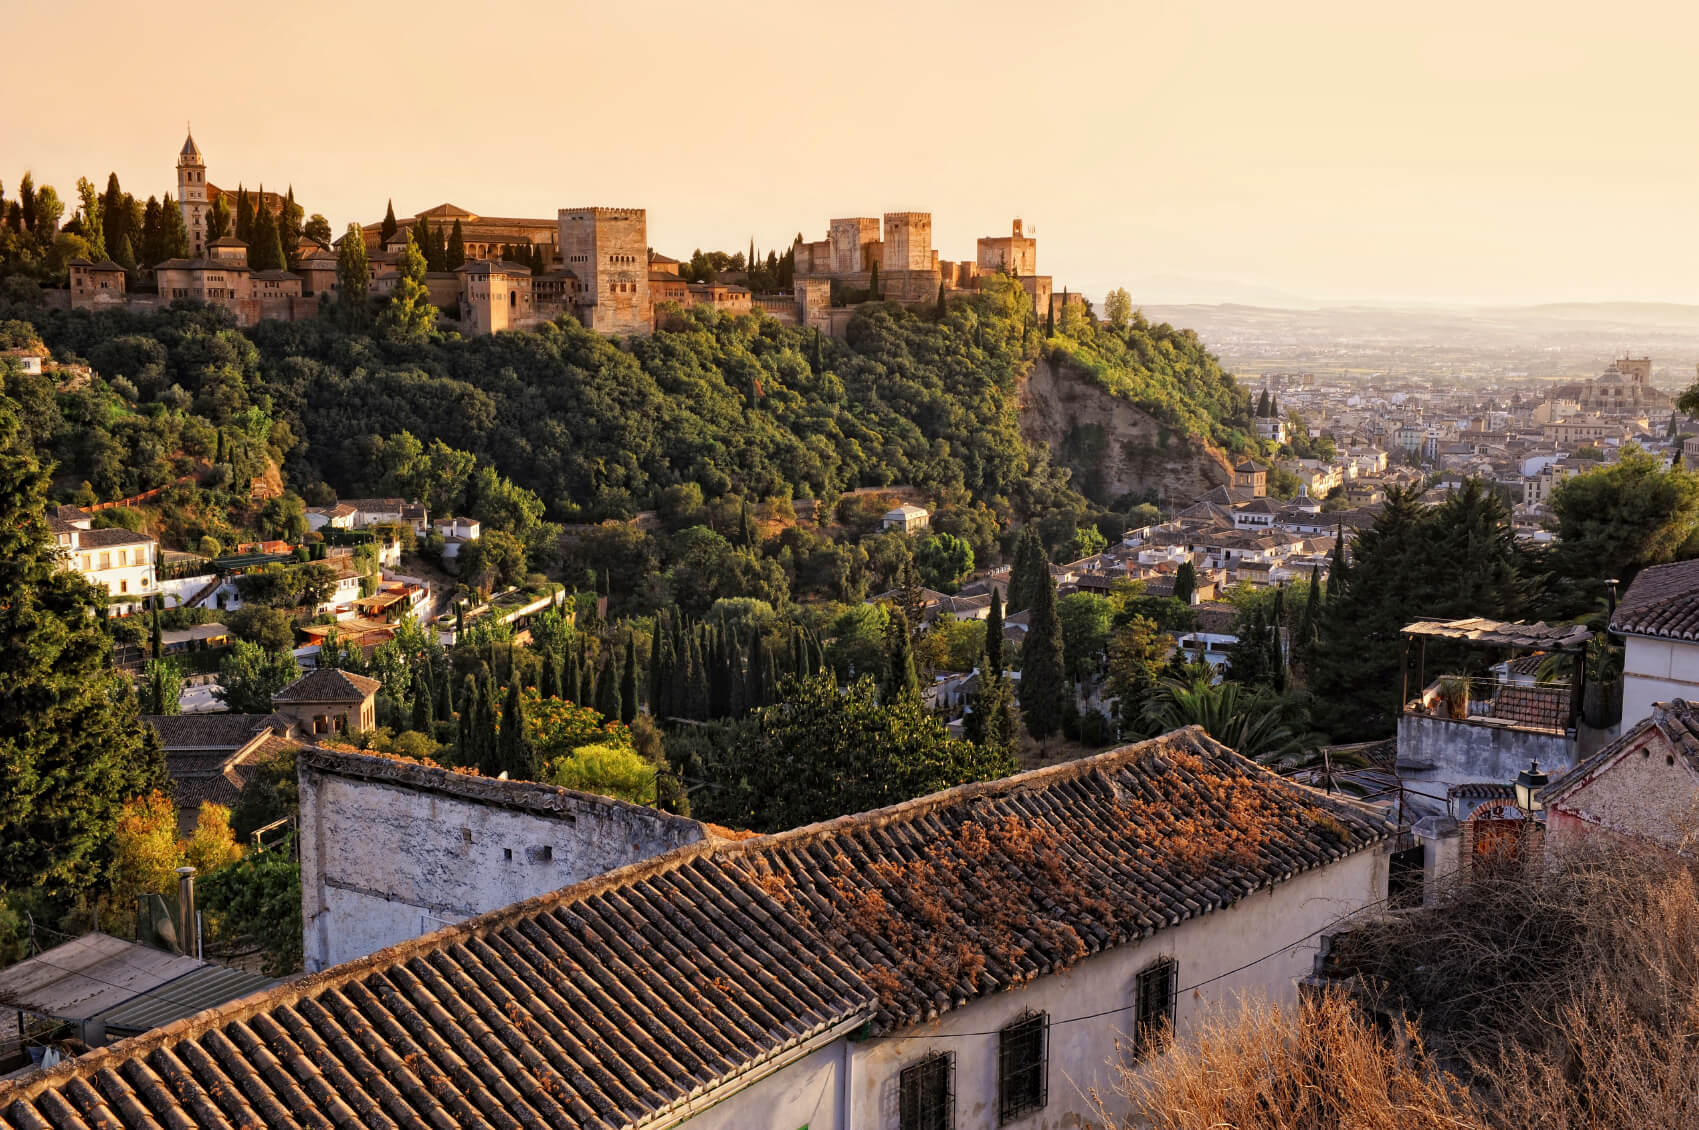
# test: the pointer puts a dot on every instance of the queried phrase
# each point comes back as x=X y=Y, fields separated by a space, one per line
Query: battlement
x=600 y=213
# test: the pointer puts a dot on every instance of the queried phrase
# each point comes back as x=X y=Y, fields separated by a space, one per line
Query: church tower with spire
x=191 y=194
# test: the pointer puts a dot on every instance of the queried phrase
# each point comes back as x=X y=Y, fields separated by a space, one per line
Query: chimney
x=188 y=922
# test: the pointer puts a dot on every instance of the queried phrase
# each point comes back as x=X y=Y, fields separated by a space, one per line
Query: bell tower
x=191 y=194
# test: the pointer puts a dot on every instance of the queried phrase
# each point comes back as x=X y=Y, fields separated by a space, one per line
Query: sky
x=1492 y=152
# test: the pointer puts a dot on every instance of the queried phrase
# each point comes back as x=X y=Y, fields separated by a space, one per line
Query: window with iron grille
x=929 y=1094
x=1023 y=1067
x=1153 y=1004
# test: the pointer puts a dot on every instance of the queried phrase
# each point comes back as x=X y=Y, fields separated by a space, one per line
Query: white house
x=908 y=518
x=456 y=532
x=29 y=358
x=1659 y=622
x=117 y=560
x=373 y=511
x=338 y=517
x=967 y=960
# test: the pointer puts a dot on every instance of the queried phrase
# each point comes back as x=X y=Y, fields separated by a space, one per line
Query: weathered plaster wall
x=391 y=849
x=1113 y=446
x=1449 y=751
x=1281 y=919
x=1649 y=790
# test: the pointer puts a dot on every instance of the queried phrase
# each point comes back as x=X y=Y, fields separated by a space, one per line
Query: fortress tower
x=908 y=242
x=607 y=249
x=191 y=195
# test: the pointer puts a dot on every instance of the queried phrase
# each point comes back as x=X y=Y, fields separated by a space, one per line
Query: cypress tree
x=218 y=219
x=113 y=215
x=423 y=708
x=436 y=255
x=265 y=252
x=697 y=683
x=244 y=216
x=586 y=678
x=1185 y=582
x=173 y=236
x=873 y=284
x=900 y=679
x=1050 y=321
x=466 y=741
x=657 y=665
x=1030 y=569
x=569 y=674
x=733 y=677
x=942 y=309
x=149 y=249
x=607 y=687
x=353 y=276
x=757 y=692
x=456 y=247
x=1276 y=651
x=628 y=683
x=289 y=230
x=538 y=264
x=548 y=685
x=390 y=227
x=517 y=755
x=1262 y=404
x=1044 y=681
x=1310 y=621
x=445 y=692
x=489 y=749
x=156 y=639
x=994 y=638
x=1339 y=570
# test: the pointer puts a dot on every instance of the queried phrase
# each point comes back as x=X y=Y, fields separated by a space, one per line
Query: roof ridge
x=1025 y=781
x=290 y=993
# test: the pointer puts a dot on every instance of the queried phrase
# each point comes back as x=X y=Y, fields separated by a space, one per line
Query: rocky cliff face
x=1113 y=447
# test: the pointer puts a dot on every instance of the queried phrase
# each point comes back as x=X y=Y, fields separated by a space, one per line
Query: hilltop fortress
x=593 y=263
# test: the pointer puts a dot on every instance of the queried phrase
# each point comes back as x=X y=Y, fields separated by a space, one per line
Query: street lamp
x=1529 y=782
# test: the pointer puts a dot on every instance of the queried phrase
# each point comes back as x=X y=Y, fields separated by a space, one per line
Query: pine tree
x=900 y=680
x=72 y=749
x=1044 y=683
x=456 y=248
x=389 y=225
x=628 y=683
x=353 y=276
x=1185 y=582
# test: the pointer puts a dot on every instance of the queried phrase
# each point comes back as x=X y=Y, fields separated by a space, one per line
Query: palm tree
x=1264 y=727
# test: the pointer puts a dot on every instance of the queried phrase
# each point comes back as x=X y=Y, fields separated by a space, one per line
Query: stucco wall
x=391 y=850
x=1649 y=790
x=1080 y=1053
x=803 y=1093
x=1449 y=751
x=1656 y=671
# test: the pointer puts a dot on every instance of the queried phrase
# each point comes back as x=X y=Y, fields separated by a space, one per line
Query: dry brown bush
x=1562 y=1000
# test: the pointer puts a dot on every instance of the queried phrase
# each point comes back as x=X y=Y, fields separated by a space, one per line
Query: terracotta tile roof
x=112 y=535
x=328 y=685
x=986 y=886
x=1544 y=708
x=226 y=732
x=1662 y=601
x=608 y=1003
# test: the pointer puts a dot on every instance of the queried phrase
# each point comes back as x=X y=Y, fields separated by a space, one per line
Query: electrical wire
x=1177 y=992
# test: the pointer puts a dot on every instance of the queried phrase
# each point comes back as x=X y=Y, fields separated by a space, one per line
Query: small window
x=507 y=854
x=1153 y=1005
x=928 y=1097
x=1023 y=1076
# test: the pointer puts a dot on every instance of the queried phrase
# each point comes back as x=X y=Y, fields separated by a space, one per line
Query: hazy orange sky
x=1470 y=152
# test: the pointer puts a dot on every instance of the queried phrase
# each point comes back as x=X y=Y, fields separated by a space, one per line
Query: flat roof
x=1499 y=633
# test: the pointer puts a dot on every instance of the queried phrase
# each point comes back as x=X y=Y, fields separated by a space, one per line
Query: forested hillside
x=599 y=428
